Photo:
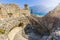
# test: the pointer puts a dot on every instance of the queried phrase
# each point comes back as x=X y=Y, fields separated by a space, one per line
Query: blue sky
x=49 y=4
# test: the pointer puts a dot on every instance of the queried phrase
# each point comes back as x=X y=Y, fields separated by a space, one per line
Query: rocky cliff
x=19 y=24
x=52 y=22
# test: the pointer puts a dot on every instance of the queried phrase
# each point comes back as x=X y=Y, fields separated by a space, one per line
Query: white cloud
x=50 y=4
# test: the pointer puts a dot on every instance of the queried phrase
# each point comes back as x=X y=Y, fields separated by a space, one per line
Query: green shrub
x=2 y=31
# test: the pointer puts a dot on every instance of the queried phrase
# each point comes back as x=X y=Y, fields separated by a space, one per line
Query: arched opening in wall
x=0 y=11
x=24 y=13
x=0 y=8
x=21 y=24
x=10 y=14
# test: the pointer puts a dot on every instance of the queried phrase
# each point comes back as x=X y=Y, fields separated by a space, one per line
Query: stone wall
x=11 y=15
x=6 y=9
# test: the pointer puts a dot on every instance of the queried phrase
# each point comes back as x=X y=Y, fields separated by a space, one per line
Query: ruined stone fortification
x=11 y=16
x=18 y=24
x=7 y=10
